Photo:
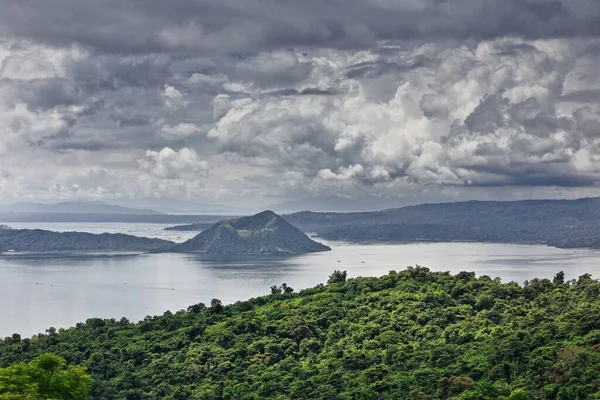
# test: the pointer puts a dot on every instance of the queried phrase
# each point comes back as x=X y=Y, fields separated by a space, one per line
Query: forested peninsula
x=39 y=240
x=559 y=223
x=263 y=233
x=413 y=334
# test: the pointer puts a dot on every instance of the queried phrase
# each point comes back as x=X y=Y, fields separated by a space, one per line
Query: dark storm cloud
x=513 y=49
x=573 y=180
x=528 y=176
x=593 y=50
x=112 y=72
x=128 y=138
x=64 y=146
x=125 y=26
x=307 y=147
x=317 y=92
x=64 y=133
x=43 y=94
x=267 y=70
x=582 y=96
x=375 y=69
x=496 y=112
x=304 y=92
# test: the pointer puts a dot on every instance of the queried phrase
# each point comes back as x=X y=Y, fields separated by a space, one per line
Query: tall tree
x=45 y=377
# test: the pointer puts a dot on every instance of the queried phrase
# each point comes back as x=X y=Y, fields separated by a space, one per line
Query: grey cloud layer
x=482 y=116
x=247 y=101
x=135 y=26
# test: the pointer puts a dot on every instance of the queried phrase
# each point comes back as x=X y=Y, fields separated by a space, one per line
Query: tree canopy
x=45 y=377
x=413 y=334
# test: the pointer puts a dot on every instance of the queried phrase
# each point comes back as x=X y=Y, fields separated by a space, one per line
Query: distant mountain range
x=82 y=211
x=263 y=233
x=561 y=223
x=341 y=204
x=73 y=207
x=177 y=206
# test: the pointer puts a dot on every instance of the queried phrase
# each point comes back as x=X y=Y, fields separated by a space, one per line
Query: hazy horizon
x=326 y=204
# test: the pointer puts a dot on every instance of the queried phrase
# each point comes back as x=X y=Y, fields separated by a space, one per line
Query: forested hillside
x=407 y=335
x=561 y=223
x=263 y=233
x=38 y=240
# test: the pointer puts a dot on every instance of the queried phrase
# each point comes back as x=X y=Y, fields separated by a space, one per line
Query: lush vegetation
x=561 y=223
x=408 y=335
x=38 y=240
x=45 y=377
x=263 y=233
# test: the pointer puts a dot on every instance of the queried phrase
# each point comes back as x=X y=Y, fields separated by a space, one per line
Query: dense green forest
x=413 y=334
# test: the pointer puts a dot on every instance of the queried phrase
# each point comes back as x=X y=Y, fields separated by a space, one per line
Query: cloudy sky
x=255 y=102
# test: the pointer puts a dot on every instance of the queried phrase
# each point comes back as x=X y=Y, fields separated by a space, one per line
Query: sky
x=255 y=102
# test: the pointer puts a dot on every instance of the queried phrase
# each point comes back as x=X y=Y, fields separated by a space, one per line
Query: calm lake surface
x=39 y=291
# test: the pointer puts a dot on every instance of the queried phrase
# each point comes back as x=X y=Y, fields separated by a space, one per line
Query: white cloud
x=171 y=164
x=343 y=173
x=26 y=67
x=174 y=98
x=180 y=130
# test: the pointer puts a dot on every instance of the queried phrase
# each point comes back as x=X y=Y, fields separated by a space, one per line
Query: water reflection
x=61 y=258
x=243 y=261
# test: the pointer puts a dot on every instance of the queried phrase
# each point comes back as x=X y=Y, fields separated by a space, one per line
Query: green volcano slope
x=263 y=233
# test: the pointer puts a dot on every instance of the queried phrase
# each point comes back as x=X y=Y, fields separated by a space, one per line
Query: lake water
x=37 y=292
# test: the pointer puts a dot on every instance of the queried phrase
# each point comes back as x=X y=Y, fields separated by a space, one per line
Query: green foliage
x=284 y=288
x=520 y=394
x=337 y=276
x=45 y=377
x=412 y=334
x=559 y=278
